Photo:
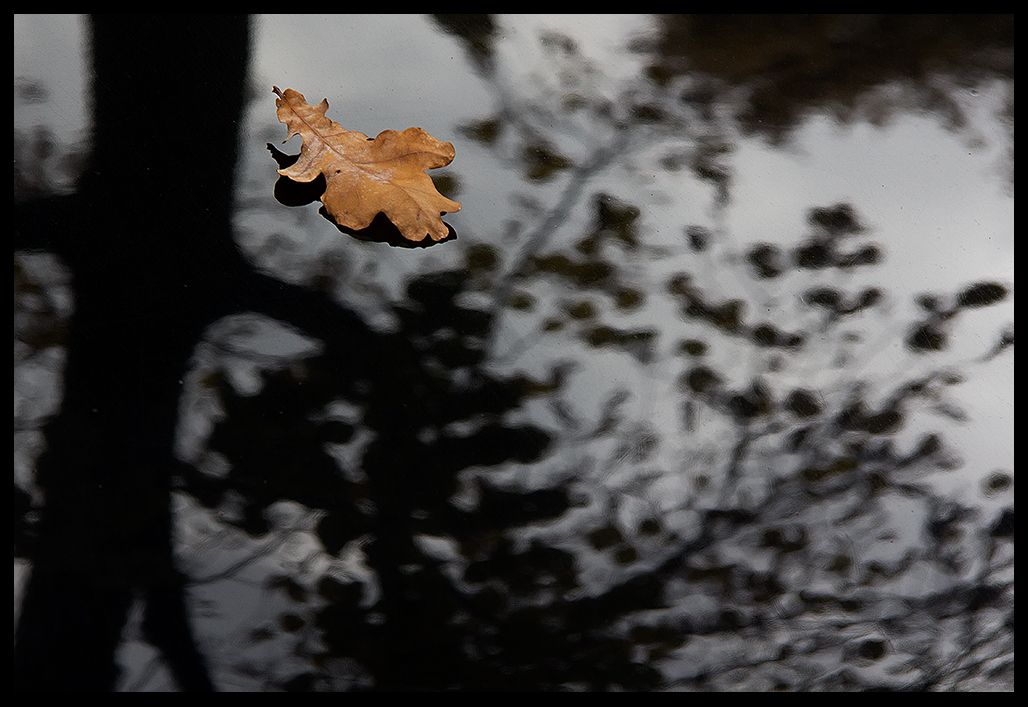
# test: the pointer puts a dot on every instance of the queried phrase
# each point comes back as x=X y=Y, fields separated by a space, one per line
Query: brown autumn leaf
x=365 y=176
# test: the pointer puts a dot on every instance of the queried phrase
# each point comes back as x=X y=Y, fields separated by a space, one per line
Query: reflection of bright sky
x=936 y=205
x=941 y=213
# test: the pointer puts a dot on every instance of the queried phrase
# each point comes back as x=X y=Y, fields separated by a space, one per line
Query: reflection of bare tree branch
x=535 y=240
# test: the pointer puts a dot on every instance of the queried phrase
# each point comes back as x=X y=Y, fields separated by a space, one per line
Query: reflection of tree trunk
x=148 y=241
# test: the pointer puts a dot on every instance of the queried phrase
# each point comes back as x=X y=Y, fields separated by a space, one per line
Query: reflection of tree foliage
x=810 y=551
x=794 y=552
x=864 y=67
x=796 y=549
x=810 y=572
x=748 y=585
x=768 y=586
x=461 y=603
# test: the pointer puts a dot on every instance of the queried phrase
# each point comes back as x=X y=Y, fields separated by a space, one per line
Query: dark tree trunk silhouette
x=147 y=237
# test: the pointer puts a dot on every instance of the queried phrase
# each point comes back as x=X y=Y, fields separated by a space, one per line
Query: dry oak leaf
x=365 y=176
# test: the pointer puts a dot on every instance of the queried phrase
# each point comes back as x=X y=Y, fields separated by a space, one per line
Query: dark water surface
x=713 y=390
